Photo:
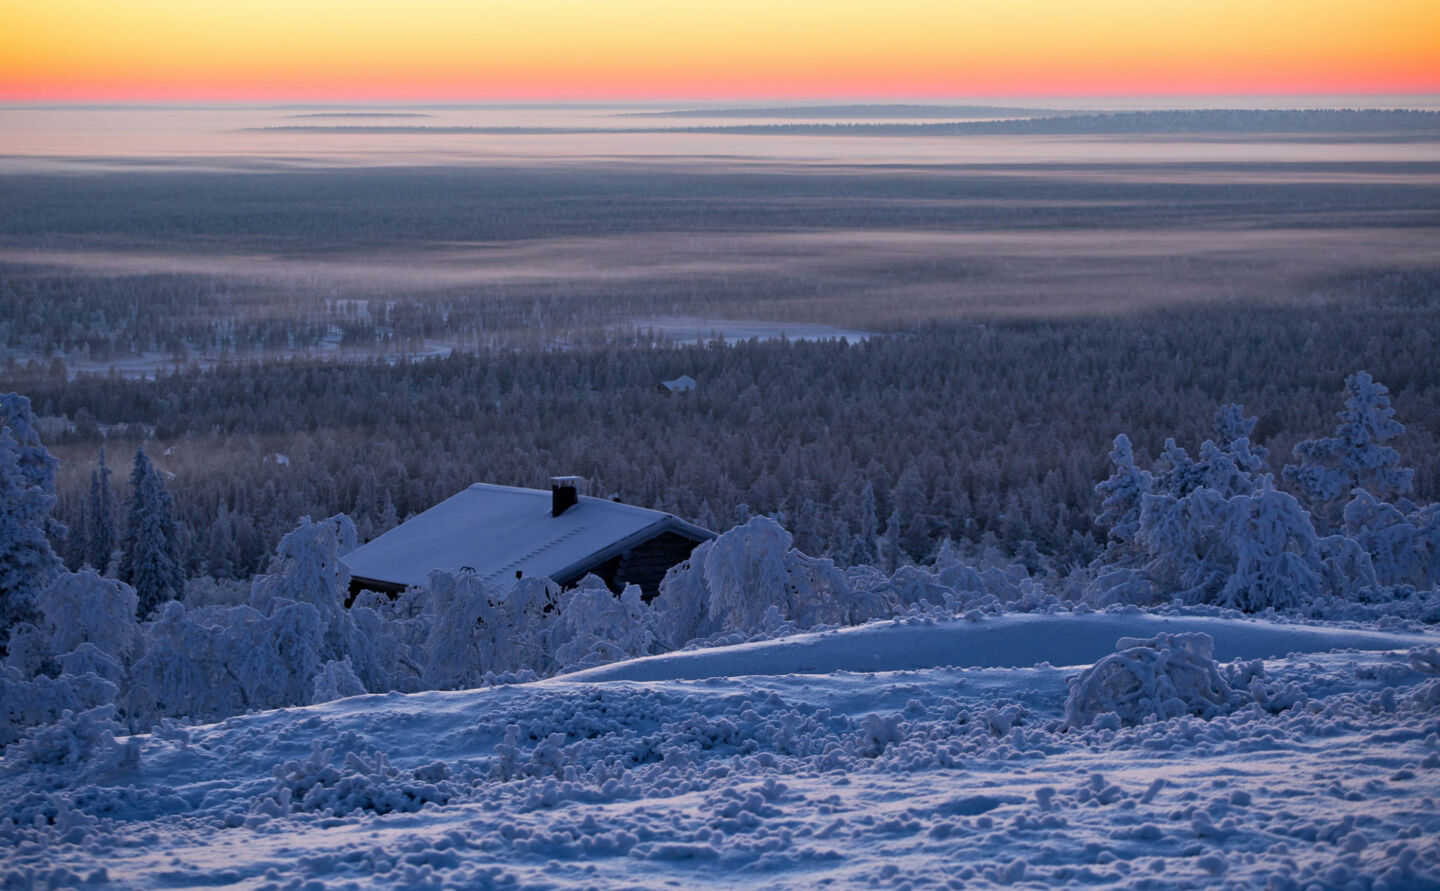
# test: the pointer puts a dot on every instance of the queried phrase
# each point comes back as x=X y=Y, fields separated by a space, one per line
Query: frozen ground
x=150 y=365
x=852 y=758
x=689 y=329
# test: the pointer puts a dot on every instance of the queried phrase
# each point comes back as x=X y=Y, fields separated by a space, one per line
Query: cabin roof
x=682 y=384
x=499 y=530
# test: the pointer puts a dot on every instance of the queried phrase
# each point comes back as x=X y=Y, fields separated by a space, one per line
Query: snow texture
x=1325 y=776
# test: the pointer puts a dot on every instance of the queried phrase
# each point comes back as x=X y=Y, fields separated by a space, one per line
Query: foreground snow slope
x=1015 y=640
x=931 y=777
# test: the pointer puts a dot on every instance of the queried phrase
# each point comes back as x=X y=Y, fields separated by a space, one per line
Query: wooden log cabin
x=503 y=533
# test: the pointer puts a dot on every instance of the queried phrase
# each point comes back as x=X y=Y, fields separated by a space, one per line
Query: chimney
x=564 y=493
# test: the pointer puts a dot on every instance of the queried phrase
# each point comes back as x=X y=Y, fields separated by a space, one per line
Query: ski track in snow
x=926 y=776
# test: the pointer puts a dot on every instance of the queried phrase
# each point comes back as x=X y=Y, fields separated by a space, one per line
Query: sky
x=447 y=50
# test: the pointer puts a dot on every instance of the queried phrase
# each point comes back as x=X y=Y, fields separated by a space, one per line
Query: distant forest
x=993 y=435
x=1281 y=280
x=1325 y=123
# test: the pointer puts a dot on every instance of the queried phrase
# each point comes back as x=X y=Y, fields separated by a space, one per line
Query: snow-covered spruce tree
x=1355 y=456
x=37 y=465
x=1120 y=497
x=28 y=564
x=911 y=502
x=1233 y=432
x=151 y=560
x=100 y=518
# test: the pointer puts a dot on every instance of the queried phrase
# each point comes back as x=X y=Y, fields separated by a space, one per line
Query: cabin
x=504 y=533
x=682 y=384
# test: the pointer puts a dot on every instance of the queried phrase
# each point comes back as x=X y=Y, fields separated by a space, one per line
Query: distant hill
x=1363 y=123
x=878 y=112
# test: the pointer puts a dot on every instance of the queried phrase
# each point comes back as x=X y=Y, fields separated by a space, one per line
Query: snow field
x=931 y=777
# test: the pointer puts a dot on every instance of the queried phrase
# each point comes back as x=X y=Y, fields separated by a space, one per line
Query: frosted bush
x=336 y=680
x=90 y=659
x=273 y=658
x=307 y=569
x=183 y=672
x=595 y=627
x=361 y=782
x=475 y=628
x=86 y=737
x=1248 y=552
x=457 y=604
x=1162 y=677
x=30 y=702
x=1403 y=548
x=730 y=584
x=82 y=607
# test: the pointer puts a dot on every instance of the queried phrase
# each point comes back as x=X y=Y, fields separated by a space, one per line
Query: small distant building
x=503 y=533
x=682 y=384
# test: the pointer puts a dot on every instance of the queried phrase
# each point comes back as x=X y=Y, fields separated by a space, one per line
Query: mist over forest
x=397 y=332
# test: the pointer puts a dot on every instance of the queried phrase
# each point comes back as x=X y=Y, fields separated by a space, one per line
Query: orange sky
x=642 y=49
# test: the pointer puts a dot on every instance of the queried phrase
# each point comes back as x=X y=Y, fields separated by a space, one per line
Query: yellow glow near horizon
x=636 y=49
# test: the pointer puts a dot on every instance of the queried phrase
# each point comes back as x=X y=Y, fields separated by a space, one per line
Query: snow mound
x=1009 y=640
x=1164 y=677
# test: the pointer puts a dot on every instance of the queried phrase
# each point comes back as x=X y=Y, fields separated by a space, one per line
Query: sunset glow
x=639 y=49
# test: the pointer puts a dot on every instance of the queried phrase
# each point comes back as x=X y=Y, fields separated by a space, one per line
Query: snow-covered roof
x=499 y=530
x=682 y=384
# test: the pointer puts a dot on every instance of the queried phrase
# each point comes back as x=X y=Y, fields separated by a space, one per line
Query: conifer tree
x=100 y=517
x=1356 y=456
x=28 y=564
x=151 y=561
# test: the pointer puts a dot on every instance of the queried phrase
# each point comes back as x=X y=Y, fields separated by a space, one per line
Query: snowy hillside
x=740 y=764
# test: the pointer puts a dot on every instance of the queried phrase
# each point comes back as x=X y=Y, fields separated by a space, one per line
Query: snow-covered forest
x=956 y=431
x=1336 y=533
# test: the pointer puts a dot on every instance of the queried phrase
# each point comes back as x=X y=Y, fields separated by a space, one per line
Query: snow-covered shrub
x=732 y=582
x=1162 y=677
x=87 y=737
x=594 y=627
x=82 y=607
x=274 y=658
x=40 y=700
x=90 y=659
x=361 y=782
x=1248 y=552
x=336 y=680
x=1404 y=548
x=1122 y=586
x=475 y=628
x=307 y=569
x=183 y=672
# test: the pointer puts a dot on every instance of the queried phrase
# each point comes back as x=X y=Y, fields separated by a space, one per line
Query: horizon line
x=697 y=101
